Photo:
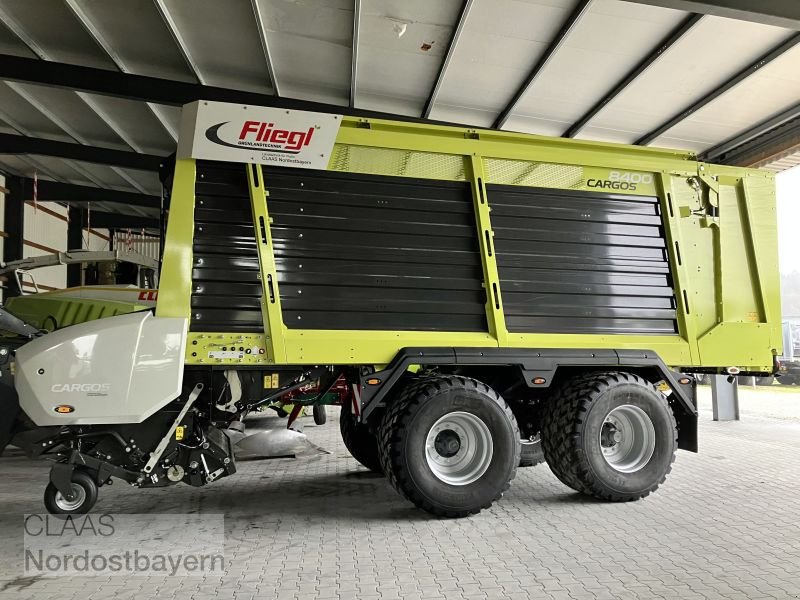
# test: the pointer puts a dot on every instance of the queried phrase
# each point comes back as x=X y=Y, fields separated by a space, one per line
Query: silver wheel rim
x=69 y=505
x=459 y=448
x=627 y=438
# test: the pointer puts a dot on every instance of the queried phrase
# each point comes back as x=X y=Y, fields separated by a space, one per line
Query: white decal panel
x=257 y=134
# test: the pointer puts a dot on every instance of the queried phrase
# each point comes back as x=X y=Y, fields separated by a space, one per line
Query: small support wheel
x=84 y=496
x=320 y=415
x=532 y=453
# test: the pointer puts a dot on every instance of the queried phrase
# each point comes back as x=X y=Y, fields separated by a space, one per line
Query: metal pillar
x=74 y=242
x=725 y=398
x=14 y=227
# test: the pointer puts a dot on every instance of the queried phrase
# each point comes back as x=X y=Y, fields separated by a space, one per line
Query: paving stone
x=724 y=525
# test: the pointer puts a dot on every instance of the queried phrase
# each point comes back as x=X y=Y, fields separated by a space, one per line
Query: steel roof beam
x=547 y=55
x=720 y=151
x=781 y=13
x=776 y=52
x=54 y=191
x=448 y=57
x=354 y=65
x=26 y=39
x=161 y=91
x=261 y=25
x=21 y=144
x=674 y=36
x=67 y=128
x=107 y=220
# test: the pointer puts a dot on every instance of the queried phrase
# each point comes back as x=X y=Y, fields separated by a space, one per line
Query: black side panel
x=226 y=290
x=375 y=252
x=581 y=262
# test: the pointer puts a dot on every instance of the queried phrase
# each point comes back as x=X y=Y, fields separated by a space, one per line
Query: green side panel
x=175 y=285
x=51 y=313
x=718 y=234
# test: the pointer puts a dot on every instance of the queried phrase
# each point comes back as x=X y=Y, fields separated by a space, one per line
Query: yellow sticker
x=179 y=431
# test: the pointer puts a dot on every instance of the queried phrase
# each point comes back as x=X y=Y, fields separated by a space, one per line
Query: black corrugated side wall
x=375 y=252
x=226 y=289
x=581 y=262
x=352 y=252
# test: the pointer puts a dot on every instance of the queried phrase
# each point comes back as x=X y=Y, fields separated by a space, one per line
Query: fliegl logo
x=260 y=135
x=90 y=389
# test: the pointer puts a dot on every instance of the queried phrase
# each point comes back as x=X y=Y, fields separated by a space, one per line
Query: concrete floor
x=725 y=525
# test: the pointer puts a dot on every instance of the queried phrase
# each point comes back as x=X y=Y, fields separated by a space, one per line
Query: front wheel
x=610 y=435
x=450 y=445
x=84 y=495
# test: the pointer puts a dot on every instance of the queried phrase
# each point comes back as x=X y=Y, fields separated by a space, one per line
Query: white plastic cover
x=115 y=370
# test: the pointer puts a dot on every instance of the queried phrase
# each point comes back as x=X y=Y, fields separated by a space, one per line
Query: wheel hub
x=447 y=443
x=459 y=448
x=78 y=497
x=627 y=438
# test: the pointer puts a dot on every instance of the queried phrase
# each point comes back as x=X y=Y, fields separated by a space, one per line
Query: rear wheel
x=359 y=440
x=450 y=445
x=610 y=435
x=787 y=380
x=84 y=495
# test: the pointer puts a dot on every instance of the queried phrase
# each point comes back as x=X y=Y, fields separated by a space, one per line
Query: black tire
x=360 y=441
x=787 y=380
x=765 y=380
x=574 y=422
x=320 y=414
x=84 y=486
x=404 y=433
x=531 y=453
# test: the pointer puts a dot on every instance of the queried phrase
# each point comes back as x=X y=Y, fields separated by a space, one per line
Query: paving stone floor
x=725 y=525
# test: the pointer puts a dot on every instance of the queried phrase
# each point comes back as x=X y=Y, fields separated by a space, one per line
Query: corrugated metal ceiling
x=308 y=44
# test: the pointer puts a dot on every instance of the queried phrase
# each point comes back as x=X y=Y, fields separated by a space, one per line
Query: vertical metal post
x=274 y=327
x=725 y=398
x=491 y=279
x=14 y=227
x=74 y=242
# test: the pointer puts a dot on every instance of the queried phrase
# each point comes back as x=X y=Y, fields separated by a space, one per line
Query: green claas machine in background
x=462 y=293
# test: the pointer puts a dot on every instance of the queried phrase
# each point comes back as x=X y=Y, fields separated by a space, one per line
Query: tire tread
x=394 y=426
x=562 y=430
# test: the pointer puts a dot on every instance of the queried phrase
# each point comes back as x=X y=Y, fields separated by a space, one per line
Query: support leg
x=725 y=398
